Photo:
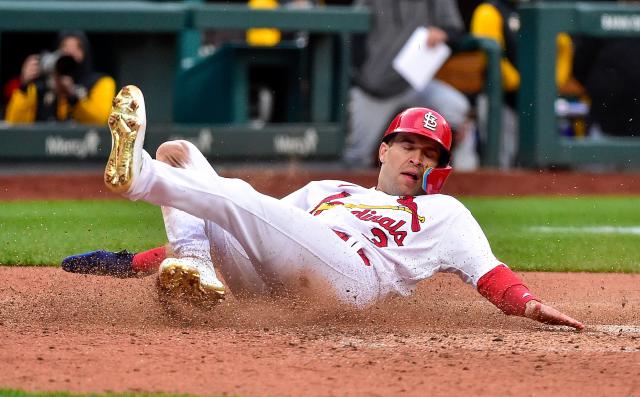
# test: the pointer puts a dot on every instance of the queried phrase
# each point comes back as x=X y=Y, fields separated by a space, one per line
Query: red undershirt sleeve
x=502 y=287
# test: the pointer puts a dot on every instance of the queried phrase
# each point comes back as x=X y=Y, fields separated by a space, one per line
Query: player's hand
x=30 y=69
x=548 y=315
x=436 y=36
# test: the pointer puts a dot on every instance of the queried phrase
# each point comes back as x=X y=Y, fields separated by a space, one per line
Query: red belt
x=360 y=252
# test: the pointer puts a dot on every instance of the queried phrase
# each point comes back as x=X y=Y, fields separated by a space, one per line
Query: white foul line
x=635 y=230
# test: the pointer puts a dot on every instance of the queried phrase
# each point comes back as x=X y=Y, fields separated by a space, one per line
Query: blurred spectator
x=9 y=87
x=609 y=69
x=499 y=20
x=62 y=86
x=261 y=37
x=380 y=91
x=265 y=37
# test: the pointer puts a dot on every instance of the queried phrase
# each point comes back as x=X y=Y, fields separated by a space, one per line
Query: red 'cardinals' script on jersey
x=369 y=213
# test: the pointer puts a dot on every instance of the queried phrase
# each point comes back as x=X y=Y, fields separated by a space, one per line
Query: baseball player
x=355 y=244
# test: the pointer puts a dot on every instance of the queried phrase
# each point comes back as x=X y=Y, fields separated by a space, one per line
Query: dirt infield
x=279 y=182
x=86 y=333
x=77 y=333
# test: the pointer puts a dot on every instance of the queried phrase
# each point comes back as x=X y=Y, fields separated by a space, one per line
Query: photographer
x=62 y=86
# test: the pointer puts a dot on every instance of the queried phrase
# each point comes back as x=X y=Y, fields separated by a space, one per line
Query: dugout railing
x=541 y=145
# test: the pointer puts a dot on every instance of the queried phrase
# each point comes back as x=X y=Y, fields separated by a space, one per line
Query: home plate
x=615 y=329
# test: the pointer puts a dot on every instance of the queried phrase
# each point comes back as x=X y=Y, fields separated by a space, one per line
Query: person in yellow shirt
x=498 y=20
x=62 y=86
x=265 y=37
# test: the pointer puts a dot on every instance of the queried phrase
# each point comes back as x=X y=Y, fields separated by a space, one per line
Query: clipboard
x=416 y=62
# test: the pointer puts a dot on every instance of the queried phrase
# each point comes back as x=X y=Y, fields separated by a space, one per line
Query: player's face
x=404 y=160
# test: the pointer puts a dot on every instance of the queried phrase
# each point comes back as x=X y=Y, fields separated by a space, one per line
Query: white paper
x=418 y=63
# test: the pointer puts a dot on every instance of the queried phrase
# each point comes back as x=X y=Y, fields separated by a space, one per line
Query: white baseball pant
x=260 y=242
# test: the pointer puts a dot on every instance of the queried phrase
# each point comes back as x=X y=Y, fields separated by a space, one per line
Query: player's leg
x=287 y=245
x=187 y=237
x=239 y=274
x=189 y=272
x=191 y=237
x=212 y=248
x=199 y=248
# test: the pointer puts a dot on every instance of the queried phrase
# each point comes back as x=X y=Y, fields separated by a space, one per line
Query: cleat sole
x=182 y=282
x=124 y=123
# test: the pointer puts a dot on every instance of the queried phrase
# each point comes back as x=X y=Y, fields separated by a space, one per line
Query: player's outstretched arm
x=505 y=289
x=546 y=314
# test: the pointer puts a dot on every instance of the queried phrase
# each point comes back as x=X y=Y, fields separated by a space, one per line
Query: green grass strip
x=510 y=225
x=42 y=233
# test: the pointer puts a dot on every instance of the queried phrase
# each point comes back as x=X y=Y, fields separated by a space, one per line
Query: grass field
x=43 y=232
x=599 y=234
x=534 y=233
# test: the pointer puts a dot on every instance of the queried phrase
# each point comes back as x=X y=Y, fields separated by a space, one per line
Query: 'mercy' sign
x=56 y=145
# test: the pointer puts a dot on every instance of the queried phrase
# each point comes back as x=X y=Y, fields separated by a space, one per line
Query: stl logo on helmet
x=430 y=121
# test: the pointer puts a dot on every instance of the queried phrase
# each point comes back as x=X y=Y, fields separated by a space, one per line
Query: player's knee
x=174 y=153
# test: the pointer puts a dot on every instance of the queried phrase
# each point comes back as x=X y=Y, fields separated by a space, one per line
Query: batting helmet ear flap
x=433 y=179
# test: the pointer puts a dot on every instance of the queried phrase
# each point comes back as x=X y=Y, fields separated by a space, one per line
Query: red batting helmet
x=431 y=124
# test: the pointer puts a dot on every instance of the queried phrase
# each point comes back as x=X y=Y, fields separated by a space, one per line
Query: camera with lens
x=61 y=64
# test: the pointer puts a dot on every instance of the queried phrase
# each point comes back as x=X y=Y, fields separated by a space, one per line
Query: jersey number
x=381 y=239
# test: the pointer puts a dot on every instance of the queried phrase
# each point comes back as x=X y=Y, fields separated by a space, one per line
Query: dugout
x=156 y=46
x=540 y=143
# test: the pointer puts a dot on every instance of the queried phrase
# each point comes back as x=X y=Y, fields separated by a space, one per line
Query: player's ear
x=382 y=152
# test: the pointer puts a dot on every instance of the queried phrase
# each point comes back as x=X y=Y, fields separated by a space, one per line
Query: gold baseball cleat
x=127 y=122
x=191 y=280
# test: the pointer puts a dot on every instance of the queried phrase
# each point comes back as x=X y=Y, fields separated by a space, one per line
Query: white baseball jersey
x=406 y=238
x=358 y=244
